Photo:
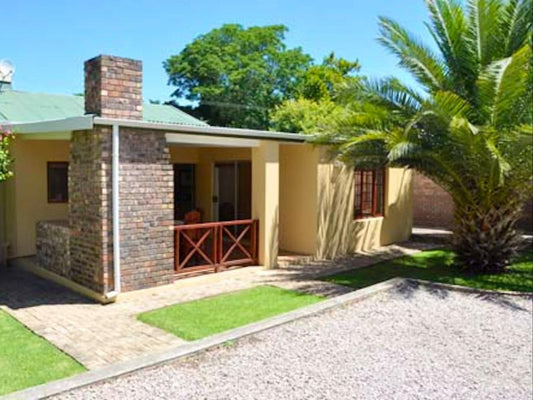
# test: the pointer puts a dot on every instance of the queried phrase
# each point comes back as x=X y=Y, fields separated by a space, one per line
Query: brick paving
x=99 y=335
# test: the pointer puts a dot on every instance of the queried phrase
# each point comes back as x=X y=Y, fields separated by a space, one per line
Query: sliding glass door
x=232 y=191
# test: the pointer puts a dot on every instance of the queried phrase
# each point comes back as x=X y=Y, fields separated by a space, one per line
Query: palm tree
x=469 y=129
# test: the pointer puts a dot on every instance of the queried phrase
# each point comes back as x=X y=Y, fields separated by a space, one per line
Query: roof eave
x=203 y=130
x=53 y=125
x=88 y=121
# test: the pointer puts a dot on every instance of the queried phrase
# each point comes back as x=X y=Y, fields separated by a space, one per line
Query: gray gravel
x=411 y=343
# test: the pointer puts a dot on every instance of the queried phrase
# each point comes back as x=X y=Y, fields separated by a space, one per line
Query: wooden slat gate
x=214 y=246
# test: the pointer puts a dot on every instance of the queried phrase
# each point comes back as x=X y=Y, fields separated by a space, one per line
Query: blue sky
x=48 y=40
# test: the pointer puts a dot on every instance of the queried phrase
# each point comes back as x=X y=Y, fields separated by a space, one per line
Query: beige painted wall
x=298 y=206
x=265 y=200
x=204 y=158
x=323 y=226
x=339 y=233
x=27 y=201
x=184 y=155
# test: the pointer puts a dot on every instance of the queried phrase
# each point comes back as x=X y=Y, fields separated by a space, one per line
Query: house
x=103 y=185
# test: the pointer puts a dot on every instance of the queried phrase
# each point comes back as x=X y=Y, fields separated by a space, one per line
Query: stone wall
x=53 y=247
x=146 y=209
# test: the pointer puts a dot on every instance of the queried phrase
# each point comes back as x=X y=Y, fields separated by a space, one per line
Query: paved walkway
x=99 y=335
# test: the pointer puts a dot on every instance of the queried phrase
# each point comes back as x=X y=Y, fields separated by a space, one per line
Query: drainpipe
x=116 y=219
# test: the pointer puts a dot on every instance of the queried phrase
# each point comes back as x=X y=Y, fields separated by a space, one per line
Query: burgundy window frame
x=50 y=165
x=360 y=197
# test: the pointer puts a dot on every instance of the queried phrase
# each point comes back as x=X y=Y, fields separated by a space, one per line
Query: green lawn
x=205 y=317
x=437 y=266
x=27 y=359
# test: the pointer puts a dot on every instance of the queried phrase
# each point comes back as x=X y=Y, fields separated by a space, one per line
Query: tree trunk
x=485 y=240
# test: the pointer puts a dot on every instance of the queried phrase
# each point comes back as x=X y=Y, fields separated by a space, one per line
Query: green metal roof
x=16 y=106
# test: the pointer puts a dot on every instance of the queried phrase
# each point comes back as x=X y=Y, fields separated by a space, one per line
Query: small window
x=369 y=193
x=57 y=182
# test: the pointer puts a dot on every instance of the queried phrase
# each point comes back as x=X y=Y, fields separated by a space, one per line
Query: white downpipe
x=116 y=218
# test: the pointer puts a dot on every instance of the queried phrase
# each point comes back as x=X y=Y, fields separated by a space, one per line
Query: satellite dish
x=7 y=69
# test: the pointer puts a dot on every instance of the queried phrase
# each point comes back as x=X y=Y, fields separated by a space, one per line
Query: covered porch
x=228 y=195
x=215 y=227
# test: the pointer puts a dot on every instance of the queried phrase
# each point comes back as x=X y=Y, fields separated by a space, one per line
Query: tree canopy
x=236 y=75
x=316 y=107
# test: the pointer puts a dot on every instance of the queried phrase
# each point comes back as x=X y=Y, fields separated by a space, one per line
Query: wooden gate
x=215 y=246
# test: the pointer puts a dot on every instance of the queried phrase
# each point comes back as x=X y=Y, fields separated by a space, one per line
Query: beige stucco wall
x=315 y=197
x=298 y=206
x=184 y=155
x=204 y=158
x=339 y=233
x=26 y=197
x=265 y=200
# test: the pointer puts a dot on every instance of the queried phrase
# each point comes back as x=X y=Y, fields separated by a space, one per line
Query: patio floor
x=99 y=335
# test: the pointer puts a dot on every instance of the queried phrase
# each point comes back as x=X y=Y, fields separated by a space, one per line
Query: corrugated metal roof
x=28 y=107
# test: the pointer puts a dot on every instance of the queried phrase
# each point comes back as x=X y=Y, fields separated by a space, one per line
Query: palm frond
x=365 y=137
x=516 y=23
x=484 y=18
x=395 y=96
x=447 y=105
x=500 y=165
x=503 y=84
x=423 y=64
x=450 y=30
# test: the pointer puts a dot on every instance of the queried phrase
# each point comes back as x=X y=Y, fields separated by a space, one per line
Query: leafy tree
x=471 y=130
x=323 y=81
x=307 y=116
x=315 y=109
x=237 y=75
x=5 y=158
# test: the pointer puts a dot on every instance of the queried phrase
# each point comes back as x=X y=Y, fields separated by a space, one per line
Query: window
x=369 y=193
x=57 y=182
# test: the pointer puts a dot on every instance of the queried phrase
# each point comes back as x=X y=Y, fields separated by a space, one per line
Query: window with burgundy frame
x=57 y=176
x=369 y=193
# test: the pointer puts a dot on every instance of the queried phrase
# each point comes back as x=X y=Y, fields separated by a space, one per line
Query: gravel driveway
x=410 y=343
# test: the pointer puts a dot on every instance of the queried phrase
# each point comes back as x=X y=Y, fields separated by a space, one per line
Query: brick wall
x=432 y=206
x=113 y=87
x=90 y=209
x=146 y=209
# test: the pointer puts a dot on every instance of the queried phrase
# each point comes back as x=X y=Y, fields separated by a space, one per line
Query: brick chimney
x=113 y=87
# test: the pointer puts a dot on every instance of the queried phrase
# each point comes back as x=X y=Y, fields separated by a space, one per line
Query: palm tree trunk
x=485 y=239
